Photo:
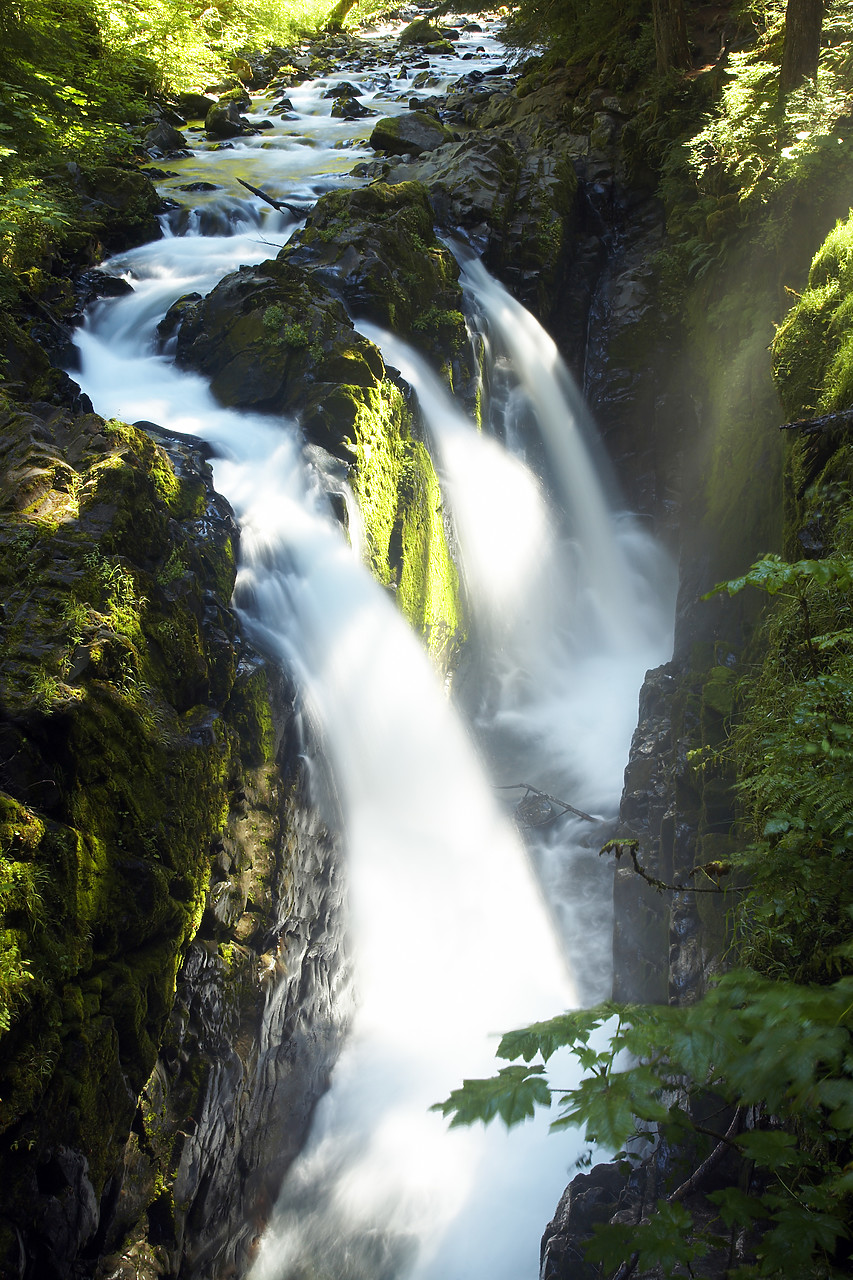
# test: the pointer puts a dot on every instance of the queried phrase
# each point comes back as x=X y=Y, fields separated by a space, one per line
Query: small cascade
x=569 y=441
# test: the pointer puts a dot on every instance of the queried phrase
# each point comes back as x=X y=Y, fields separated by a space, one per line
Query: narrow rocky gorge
x=175 y=898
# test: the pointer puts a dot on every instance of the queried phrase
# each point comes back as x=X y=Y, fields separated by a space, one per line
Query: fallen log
x=276 y=204
x=823 y=425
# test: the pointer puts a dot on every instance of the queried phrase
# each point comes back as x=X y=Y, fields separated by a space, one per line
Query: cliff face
x=151 y=827
x=690 y=398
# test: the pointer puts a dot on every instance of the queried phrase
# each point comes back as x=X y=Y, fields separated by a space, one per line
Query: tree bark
x=336 y=17
x=803 y=26
x=672 y=49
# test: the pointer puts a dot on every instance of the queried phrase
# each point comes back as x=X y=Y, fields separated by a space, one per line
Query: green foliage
x=794 y=748
x=76 y=73
x=660 y=1241
x=771 y=1044
x=750 y=161
x=783 y=1049
x=612 y=32
x=813 y=348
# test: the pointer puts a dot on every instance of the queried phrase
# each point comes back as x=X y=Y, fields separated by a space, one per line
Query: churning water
x=451 y=914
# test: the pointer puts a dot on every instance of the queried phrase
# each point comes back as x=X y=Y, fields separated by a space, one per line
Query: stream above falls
x=460 y=926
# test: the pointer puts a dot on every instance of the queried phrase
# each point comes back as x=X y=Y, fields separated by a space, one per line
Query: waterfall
x=449 y=941
x=451 y=933
x=567 y=616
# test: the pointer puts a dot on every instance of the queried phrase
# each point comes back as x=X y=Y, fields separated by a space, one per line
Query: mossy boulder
x=193 y=105
x=420 y=32
x=274 y=339
x=122 y=202
x=119 y=658
x=377 y=249
x=409 y=134
x=226 y=120
x=518 y=195
x=813 y=348
x=407 y=542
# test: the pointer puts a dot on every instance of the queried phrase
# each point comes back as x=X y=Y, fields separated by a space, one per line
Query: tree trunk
x=671 y=46
x=335 y=20
x=803 y=24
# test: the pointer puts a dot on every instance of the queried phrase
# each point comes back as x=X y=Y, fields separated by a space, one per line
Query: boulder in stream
x=162 y=139
x=409 y=134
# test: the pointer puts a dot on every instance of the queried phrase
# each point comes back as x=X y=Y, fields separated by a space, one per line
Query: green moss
x=112 y=693
x=379 y=422
x=813 y=348
x=429 y=583
x=407 y=549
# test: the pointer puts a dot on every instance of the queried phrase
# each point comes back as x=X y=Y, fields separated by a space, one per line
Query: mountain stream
x=462 y=926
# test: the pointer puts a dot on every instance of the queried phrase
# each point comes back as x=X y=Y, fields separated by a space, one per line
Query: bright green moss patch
x=813 y=349
x=379 y=426
x=406 y=541
x=429 y=583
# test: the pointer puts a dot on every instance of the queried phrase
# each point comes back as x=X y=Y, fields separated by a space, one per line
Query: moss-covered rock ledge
x=279 y=338
x=130 y=719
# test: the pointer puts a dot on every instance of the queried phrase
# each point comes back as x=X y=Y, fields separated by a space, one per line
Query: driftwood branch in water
x=827 y=422
x=564 y=805
x=276 y=204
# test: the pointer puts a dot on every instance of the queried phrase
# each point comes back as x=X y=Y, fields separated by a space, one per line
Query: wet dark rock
x=177 y=313
x=351 y=109
x=199 y=186
x=194 y=106
x=377 y=249
x=100 y=284
x=226 y=120
x=641 y=923
x=343 y=89
x=409 y=134
x=590 y=1198
x=516 y=197
x=123 y=201
x=164 y=140
x=71 y=695
x=274 y=339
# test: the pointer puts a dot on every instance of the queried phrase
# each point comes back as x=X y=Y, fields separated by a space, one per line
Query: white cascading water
x=451 y=938
x=567 y=621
